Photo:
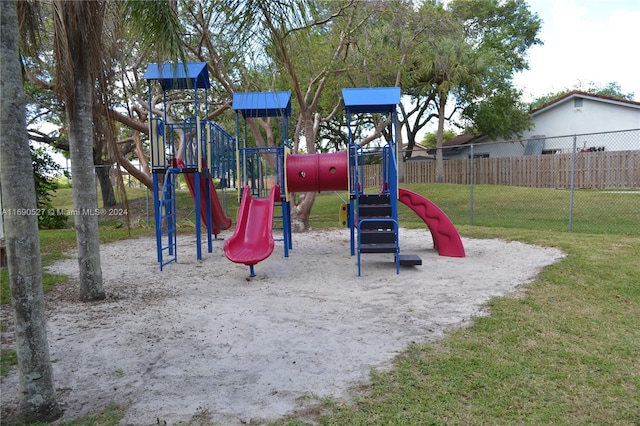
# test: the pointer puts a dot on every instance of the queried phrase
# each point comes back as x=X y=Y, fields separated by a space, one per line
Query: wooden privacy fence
x=596 y=170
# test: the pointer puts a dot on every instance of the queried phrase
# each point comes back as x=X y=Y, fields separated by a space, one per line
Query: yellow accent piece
x=342 y=215
x=152 y=143
x=158 y=158
x=287 y=151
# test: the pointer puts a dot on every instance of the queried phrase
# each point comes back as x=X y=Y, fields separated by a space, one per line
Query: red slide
x=446 y=239
x=219 y=220
x=252 y=240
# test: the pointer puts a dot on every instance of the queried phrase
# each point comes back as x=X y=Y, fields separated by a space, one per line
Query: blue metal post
x=209 y=223
x=158 y=220
x=198 y=224
x=169 y=206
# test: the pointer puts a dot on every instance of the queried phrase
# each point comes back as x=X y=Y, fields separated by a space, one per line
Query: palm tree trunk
x=37 y=393
x=78 y=31
x=85 y=197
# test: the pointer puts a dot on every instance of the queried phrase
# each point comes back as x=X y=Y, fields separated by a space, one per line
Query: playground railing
x=356 y=169
x=259 y=168
x=186 y=132
x=222 y=155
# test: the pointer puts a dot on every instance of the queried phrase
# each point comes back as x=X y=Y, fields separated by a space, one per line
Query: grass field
x=567 y=352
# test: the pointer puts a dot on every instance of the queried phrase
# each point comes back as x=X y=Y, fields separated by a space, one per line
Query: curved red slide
x=252 y=240
x=446 y=239
x=219 y=221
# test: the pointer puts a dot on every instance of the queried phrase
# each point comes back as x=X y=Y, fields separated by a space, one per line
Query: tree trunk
x=106 y=186
x=85 y=197
x=37 y=393
x=400 y=158
x=439 y=137
x=301 y=212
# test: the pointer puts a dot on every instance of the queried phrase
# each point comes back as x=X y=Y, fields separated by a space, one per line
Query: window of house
x=577 y=102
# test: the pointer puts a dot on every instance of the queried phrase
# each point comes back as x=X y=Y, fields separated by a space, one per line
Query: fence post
x=471 y=182
x=573 y=181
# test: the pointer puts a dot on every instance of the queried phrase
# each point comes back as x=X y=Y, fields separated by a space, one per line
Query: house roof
x=460 y=139
x=179 y=76
x=469 y=137
x=452 y=143
x=585 y=95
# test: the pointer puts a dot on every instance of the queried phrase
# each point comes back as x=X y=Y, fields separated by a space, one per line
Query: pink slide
x=446 y=239
x=219 y=221
x=252 y=240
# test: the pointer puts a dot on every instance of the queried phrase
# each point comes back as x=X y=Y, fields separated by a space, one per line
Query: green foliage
x=8 y=359
x=508 y=28
x=46 y=173
x=5 y=290
x=49 y=220
x=464 y=60
x=502 y=114
x=429 y=140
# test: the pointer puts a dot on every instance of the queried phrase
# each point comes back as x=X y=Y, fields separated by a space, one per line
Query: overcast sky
x=584 y=41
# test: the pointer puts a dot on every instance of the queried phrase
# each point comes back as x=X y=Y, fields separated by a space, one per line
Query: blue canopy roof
x=175 y=77
x=262 y=104
x=371 y=99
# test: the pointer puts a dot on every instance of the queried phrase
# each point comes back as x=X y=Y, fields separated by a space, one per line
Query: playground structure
x=195 y=148
x=252 y=240
x=265 y=177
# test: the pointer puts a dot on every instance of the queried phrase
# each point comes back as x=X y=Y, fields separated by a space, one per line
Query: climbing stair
x=377 y=229
x=167 y=238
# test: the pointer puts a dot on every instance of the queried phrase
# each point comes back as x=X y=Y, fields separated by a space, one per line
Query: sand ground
x=203 y=342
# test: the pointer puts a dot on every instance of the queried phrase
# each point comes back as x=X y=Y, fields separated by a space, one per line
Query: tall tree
x=501 y=114
x=77 y=32
x=37 y=393
x=473 y=62
x=453 y=65
x=271 y=32
x=81 y=63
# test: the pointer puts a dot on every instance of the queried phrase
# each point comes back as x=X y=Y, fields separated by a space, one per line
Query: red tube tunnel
x=317 y=172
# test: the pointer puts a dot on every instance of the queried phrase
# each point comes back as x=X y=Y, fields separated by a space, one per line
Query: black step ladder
x=377 y=229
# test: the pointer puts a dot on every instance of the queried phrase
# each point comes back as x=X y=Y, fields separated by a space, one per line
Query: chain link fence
x=577 y=183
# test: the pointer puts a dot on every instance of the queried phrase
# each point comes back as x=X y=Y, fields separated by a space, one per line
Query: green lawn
x=595 y=212
x=568 y=352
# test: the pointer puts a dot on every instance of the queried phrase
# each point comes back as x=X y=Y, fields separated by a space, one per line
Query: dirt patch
x=201 y=340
